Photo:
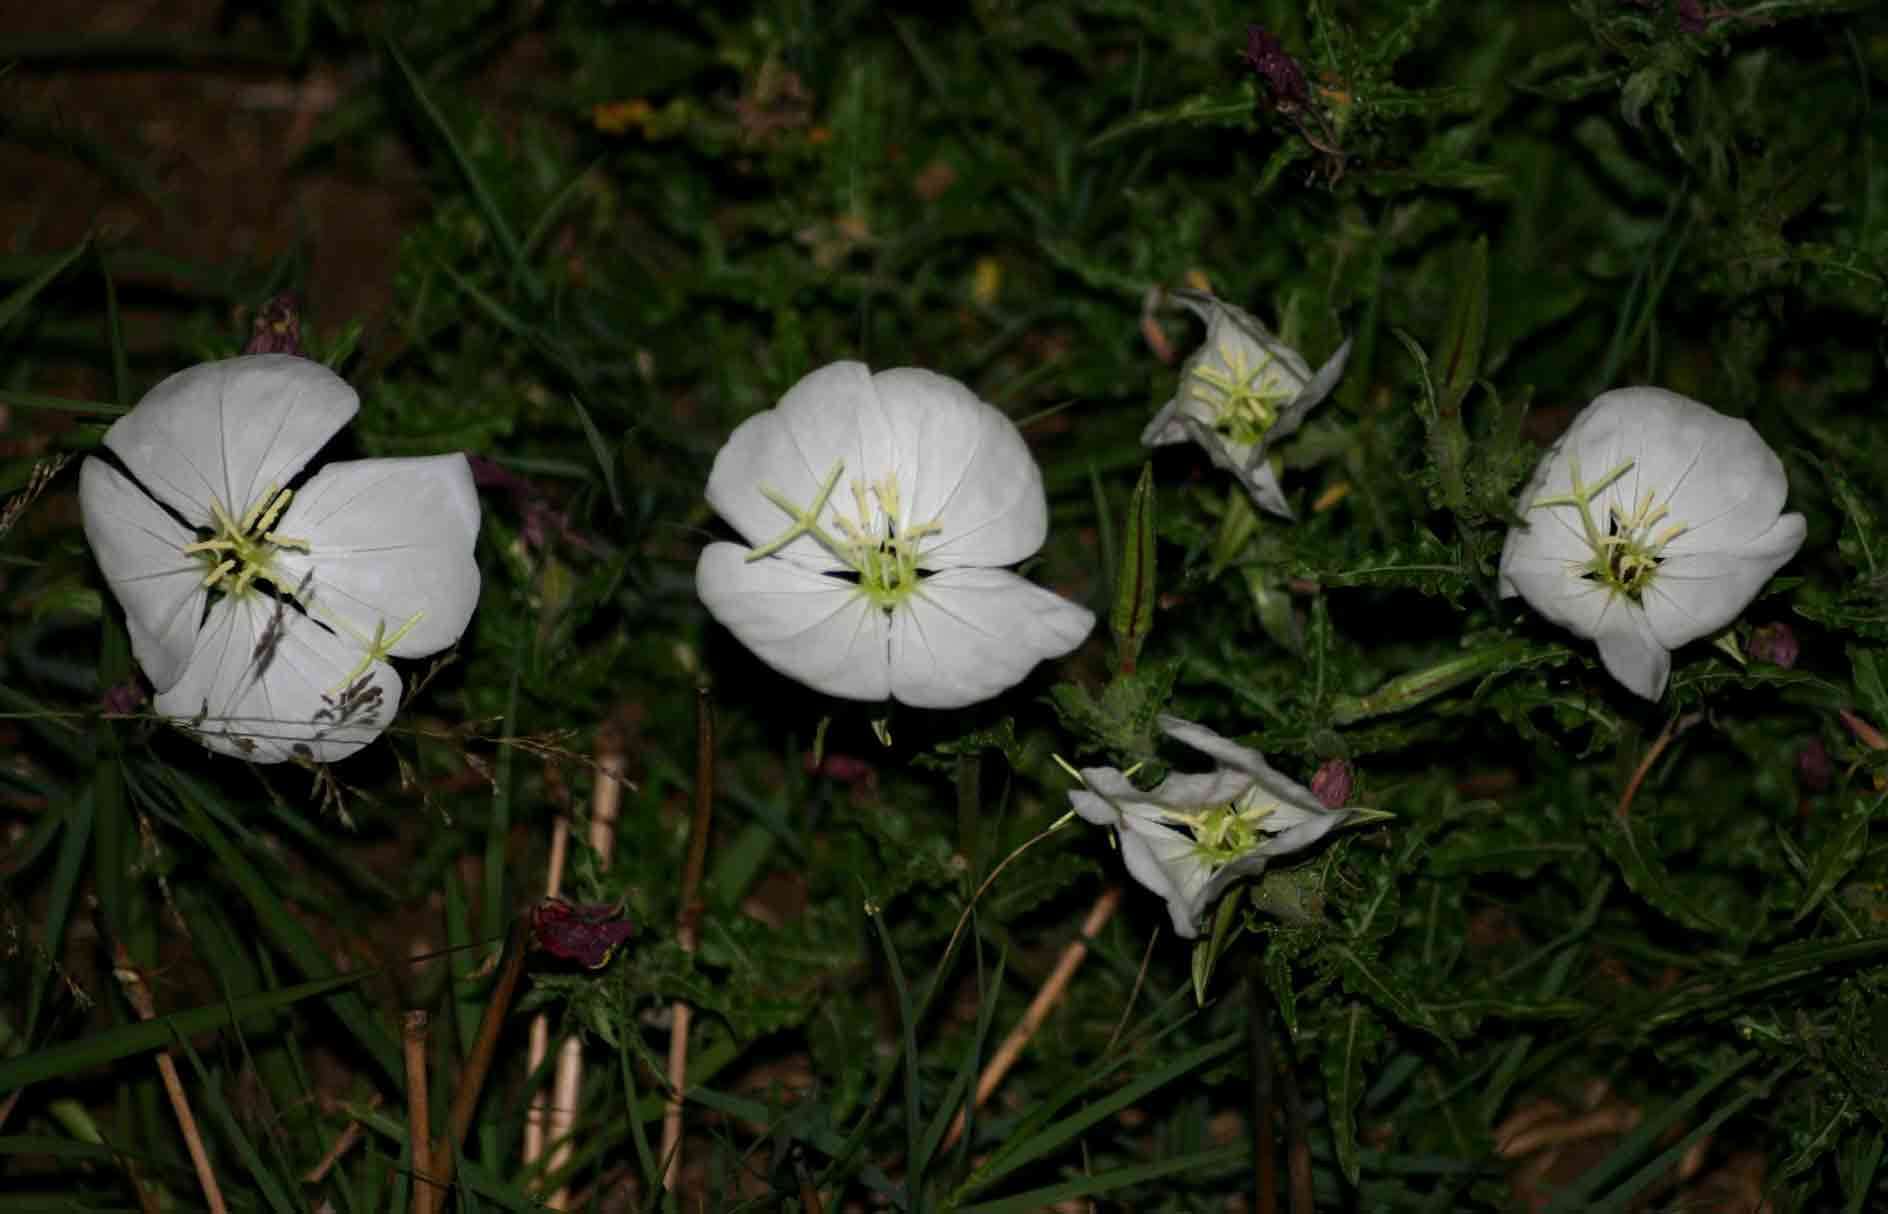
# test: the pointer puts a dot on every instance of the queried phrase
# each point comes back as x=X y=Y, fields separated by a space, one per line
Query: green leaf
x=282 y=928
x=1352 y=1038
x=1462 y=339
x=1231 y=107
x=1838 y=854
x=1136 y=581
x=1421 y=686
x=1363 y=976
x=1030 y=1147
x=475 y=184
x=16 y=302
x=126 y=1040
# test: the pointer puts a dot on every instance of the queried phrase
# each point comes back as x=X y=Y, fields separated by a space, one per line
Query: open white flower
x=1241 y=391
x=1651 y=523
x=308 y=590
x=878 y=510
x=1191 y=836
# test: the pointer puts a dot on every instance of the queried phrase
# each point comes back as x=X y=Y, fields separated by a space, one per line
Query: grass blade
x=16 y=303
x=144 y=1036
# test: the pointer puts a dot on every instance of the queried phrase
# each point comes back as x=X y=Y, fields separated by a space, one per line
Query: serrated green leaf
x=1364 y=977
x=1352 y=1039
x=1231 y=107
x=1838 y=854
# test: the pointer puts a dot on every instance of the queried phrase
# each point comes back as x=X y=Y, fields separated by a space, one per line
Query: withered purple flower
x=588 y=934
x=1276 y=67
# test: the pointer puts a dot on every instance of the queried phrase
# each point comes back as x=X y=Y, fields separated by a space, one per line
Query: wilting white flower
x=878 y=511
x=1651 y=523
x=309 y=590
x=1191 y=836
x=1241 y=391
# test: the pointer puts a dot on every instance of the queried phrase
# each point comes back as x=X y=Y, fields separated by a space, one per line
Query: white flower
x=308 y=590
x=878 y=510
x=1241 y=391
x=1193 y=835
x=1651 y=523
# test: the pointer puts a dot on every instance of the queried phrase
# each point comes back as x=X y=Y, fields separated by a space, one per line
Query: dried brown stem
x=139 y=996
x=1039 y=1008
x=445 y=1150
x=687 y=924
x=1298 y=1156
x=537 y=1118
x=419 y=1119
x=344 y=1142
x=1672 y=732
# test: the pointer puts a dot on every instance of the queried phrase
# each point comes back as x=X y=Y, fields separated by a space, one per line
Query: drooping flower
x=308 y=590
x=1651 y=523
x=1192 y=835
x=878 y=512
x=1240 y=392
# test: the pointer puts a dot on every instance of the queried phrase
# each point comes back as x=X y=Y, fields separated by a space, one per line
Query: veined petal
x=1695 y=594
x=1558 y=593
x=1632 y=654
x=964 y=466
x=1189 y=791
x=227 y=431
x=1311 y=394
x=817 y=629
x=832 y=417
x=140 y=549
x=266 y=683
x=966 y=634
x=1294 y=828
x=1168 y=863
x=1239 y=758
x=1714 y=474
x=1261 y=481
x=389 y=541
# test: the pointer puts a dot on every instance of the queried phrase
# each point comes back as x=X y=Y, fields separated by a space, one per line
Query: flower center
x=241 y=552
x=876 y=543
x=1243 y=398
x=1223 y=833
x=1627 y=552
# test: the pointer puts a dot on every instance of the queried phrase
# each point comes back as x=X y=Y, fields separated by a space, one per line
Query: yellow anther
x=216 y=575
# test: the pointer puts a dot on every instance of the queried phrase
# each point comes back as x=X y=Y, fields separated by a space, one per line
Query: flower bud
x=1775 y=644
x=1331 y=784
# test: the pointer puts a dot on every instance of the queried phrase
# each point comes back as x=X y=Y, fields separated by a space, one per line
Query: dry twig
x=139 y=996
x=687 y=925
x=1039 y=1008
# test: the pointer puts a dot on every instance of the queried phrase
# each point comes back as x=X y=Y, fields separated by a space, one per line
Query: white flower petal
x=817 y=629
x=1166 y=862
x=1239 y=758
x=964 y=466
x=140 y=549
x=1569 y=600
x=1319 y=387
x=1261 y=481
x=230 y=430
x=966 y=634
x=1294 y=828
x=1632 y=654
x=831 y=417
x=267 y=685
x=388 y=539
x=1695 y=594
